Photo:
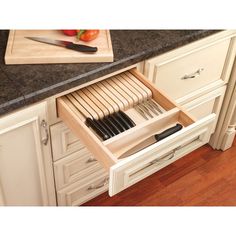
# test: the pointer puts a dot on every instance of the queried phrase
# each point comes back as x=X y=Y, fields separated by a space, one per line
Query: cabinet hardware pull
x=44 y=126
x=91 y=159
x=102 y=184
x=193 y=75
x=167 y=157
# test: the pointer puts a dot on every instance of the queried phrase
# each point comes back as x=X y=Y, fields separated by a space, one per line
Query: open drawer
x=135 y=154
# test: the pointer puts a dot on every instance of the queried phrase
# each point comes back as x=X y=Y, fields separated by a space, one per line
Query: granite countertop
x=21 y=85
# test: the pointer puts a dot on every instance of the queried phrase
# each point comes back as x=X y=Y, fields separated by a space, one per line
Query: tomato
x=87 y=35
x=70 y=32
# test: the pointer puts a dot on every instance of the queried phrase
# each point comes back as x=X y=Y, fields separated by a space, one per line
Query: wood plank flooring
x=205 y=177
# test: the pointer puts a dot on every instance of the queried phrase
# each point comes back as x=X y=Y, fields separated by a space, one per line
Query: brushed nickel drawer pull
x=159 y=161
x=44 y=126
x=91 y=159
x=193 y=75
x=102 y=184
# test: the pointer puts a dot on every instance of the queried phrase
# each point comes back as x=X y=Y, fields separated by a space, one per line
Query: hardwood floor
x=205 y=177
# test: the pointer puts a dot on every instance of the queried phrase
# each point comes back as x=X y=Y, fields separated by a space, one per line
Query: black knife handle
x=117 y=122
x=122 y=121
x=168 y=132
x=106 y=127
x=111 y=125
x=127 y=118
x=81 y=47
x=97 y=128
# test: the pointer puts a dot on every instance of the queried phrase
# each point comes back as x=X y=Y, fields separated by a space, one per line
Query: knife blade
x=150 y=140
x=65 y=44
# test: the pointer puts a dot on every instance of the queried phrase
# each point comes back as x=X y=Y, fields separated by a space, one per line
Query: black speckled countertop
x=21 y=85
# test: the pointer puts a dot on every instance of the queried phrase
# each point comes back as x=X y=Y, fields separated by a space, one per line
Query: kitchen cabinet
x=193 y=84
x=226 y=127
x=198 y=76
x=78 y=175
x=26 y=176
x=201 y=96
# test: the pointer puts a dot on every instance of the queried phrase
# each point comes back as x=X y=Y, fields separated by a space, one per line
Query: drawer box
x=179 y=75
x=131 y=169
x=81 y=192
x=64 y=142
x=75 y=167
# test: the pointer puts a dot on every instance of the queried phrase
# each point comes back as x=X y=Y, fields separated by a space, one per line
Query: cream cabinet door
x=26 y=176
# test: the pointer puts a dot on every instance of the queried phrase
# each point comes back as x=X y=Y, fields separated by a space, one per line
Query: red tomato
x=69 y=32
x=88 y=35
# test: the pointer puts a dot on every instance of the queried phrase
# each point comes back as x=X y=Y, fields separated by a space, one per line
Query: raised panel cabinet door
x=25 y=175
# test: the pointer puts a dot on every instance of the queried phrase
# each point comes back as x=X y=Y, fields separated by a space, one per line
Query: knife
x=122 y=120
x=97 y=128
x=111 y=125
x=127 y=118
x=65 y=44
x=150 y=140
x=106 y=128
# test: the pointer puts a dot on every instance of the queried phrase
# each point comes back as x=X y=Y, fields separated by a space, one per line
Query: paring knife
x=65 y=44
x=149 y=141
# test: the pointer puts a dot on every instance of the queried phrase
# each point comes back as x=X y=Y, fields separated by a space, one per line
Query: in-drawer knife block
x=127 y=92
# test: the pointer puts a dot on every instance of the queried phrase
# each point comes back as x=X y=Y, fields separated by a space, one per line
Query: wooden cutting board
x=24 y=51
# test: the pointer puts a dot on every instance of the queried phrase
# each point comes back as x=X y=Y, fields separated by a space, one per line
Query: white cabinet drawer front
x=159 y=155
x=207 y=104
x=82 y=192
x=64 y=142
x=75 y=167
x=125 y=153
x=182 y=75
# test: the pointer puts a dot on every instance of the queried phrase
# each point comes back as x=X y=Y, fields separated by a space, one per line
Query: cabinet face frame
x=61 y=143
x=219 y=138
x=33 y=116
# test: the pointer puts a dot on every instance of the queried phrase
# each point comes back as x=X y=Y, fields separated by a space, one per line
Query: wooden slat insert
x=159 y=96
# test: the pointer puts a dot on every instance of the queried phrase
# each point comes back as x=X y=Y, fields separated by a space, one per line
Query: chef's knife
x=97 y=128
x=65 y=44
x=122 y=120
x=117 y=122
x=106 y=127
x=150 y=140
x=127 y=118
x=111 y=125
